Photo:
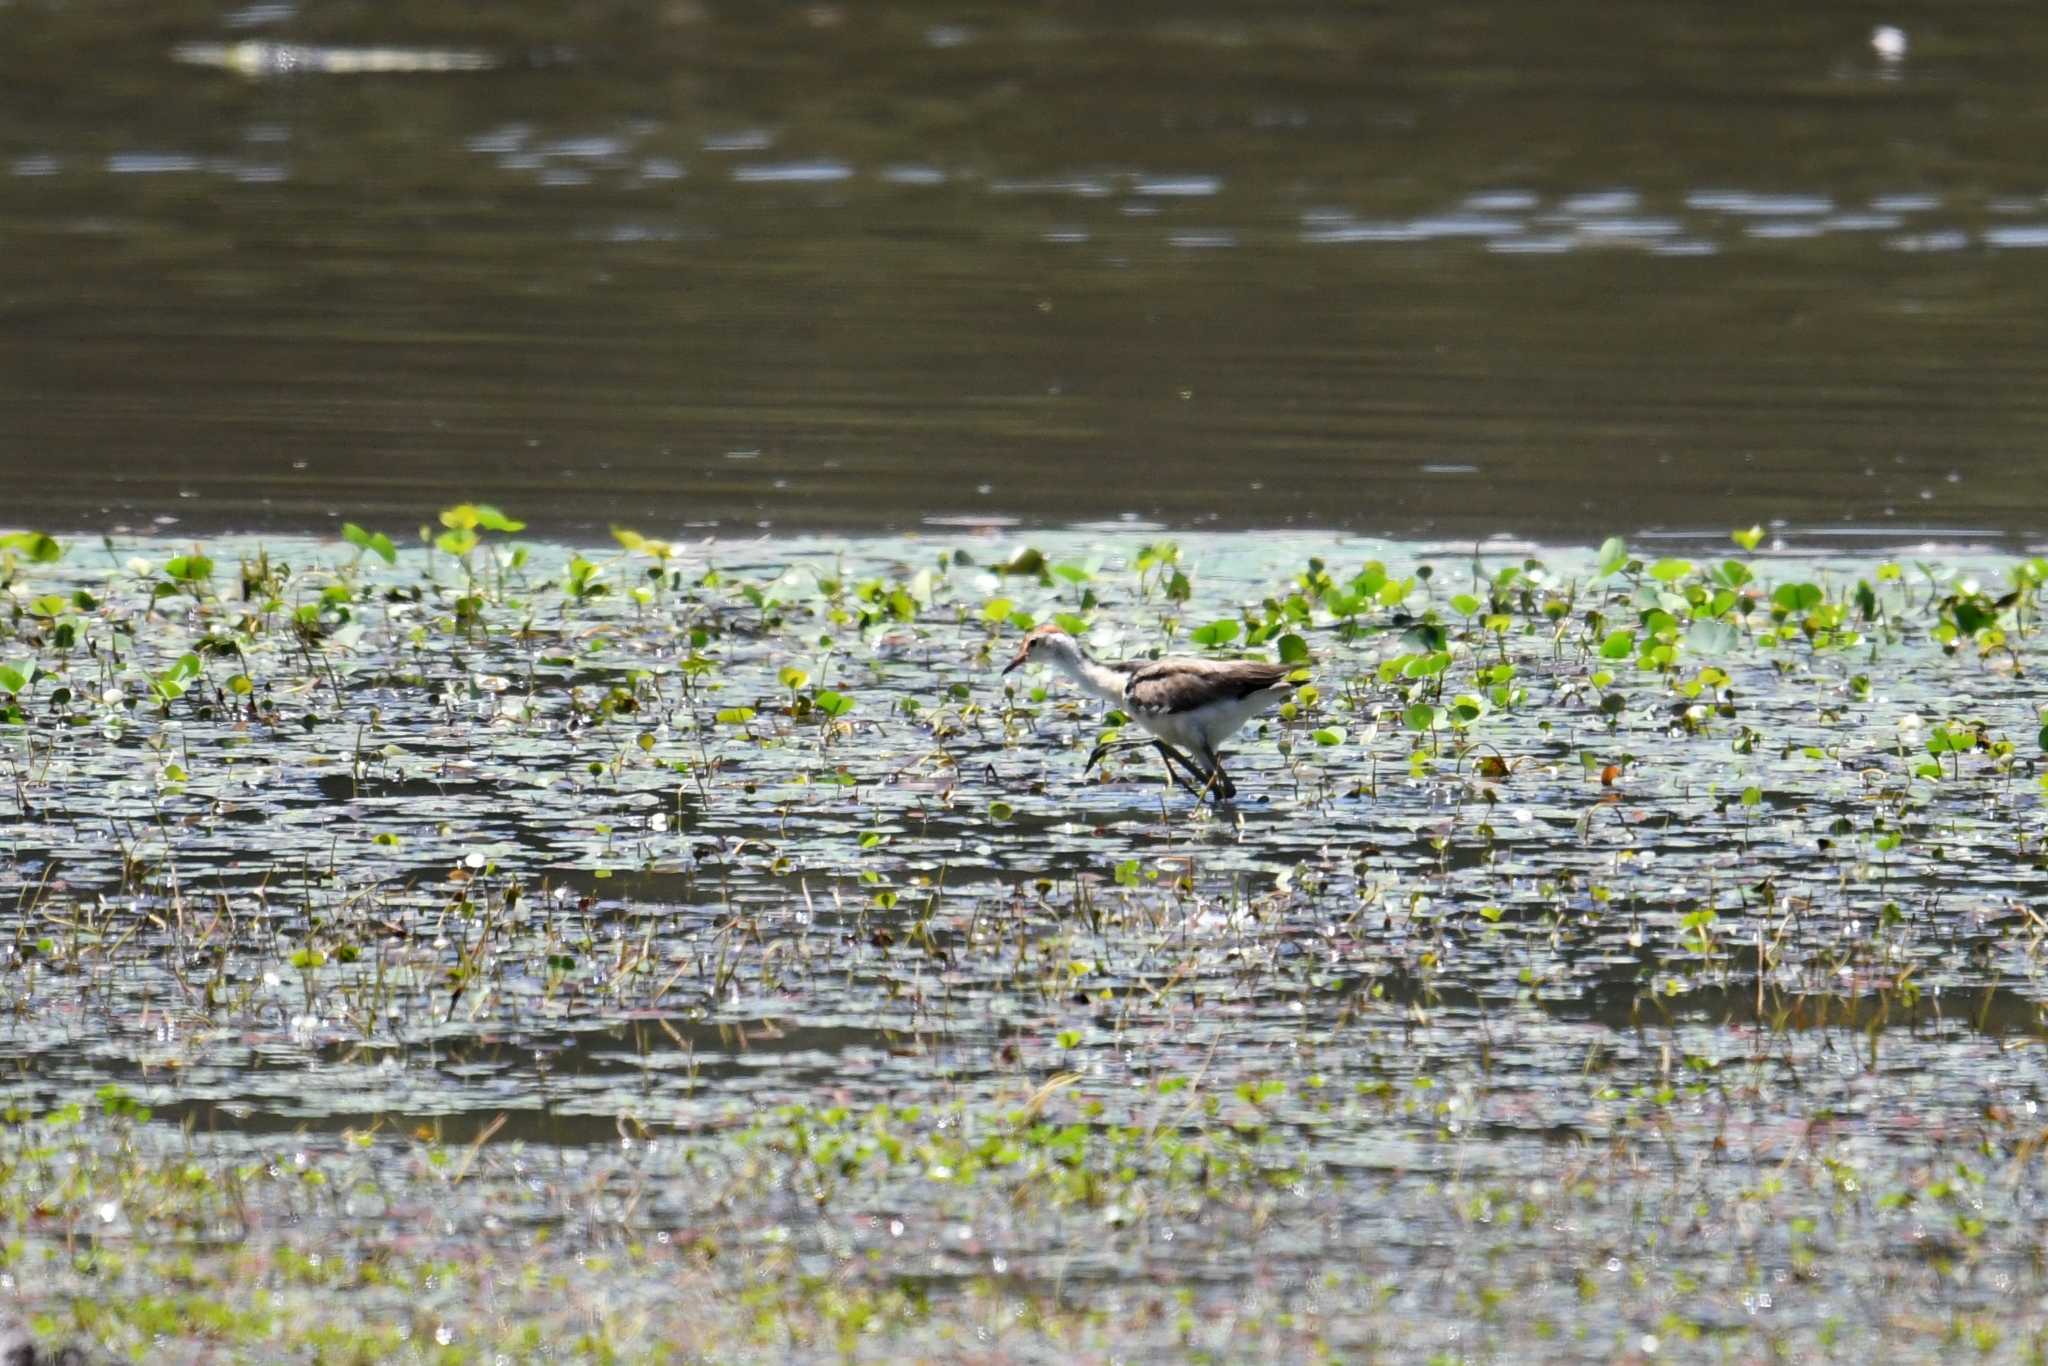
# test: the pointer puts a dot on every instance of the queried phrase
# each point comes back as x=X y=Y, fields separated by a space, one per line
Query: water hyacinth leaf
x=1424 y=636
x=1798 y=597
x=1670 y=570
x=734 y=716
x=15 y=677
x=1748 y=540
x=458 y=542
x=1951 y=739
x=1329 y=736
x=1071 y=624
x=48 y=606
x=792 y=677
x=833 y=703
x=375 y=542
x=194 y=568
x=1618 y=645
x=997 y=610
x=1216 y=633
x=1465 y=605
x=1613 y=555
x=1293 y=650
x=34 y=546
x=241 y=685
x=1001 y=811
x=1025 y=561
x=1422 y=716
x=1712 y=637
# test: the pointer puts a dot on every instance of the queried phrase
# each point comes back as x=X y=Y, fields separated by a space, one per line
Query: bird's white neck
x=1093 y=676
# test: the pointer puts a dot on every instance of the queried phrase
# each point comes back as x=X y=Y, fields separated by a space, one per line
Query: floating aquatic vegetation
x=507 y=944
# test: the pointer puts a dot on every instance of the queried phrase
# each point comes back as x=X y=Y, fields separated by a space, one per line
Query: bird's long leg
x=1219 y=781
x=1225 y=788
x=1172 y=757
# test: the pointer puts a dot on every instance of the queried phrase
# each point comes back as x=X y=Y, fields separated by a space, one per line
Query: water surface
x=1438 y=270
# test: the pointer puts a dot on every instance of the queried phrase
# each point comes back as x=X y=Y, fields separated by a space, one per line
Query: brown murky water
x=1432 y=270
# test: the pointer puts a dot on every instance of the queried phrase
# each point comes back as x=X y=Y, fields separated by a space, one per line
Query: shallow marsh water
x=751 y=969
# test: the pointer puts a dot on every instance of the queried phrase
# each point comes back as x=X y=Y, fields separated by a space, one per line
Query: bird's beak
x=1018 y=662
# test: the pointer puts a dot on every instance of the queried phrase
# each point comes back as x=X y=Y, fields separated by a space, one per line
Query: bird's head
x=1044 y=644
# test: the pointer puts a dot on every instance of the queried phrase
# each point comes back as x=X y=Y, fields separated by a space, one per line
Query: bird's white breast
x=1208 y=724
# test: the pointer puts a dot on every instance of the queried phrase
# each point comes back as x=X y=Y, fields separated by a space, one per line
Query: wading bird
x=1188 y=706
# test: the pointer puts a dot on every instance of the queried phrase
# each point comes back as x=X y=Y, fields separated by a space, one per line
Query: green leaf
x=1712 y=637
x=833 y=703
x=39 y=548
x=792 y=677
x=1618 y=645
x=14 y=678
x=1293 y=650
x=735 y=716
x=1465 y=605
x=1071 y=624
x=241 y=685
x=458 y=542
x=997 y=610
x=1748 y=540
x=1329 y=736
x=189 y=568
x=1798 y=597
x=1001 y=811
x=490 y=519
x=1422 y=716
x=1670 y=571
x=376 y=542
x=1613 y=555
x=1947 y=739
x=1216 y=633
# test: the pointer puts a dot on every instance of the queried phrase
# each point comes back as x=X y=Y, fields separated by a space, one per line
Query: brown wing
x=1165 y=686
